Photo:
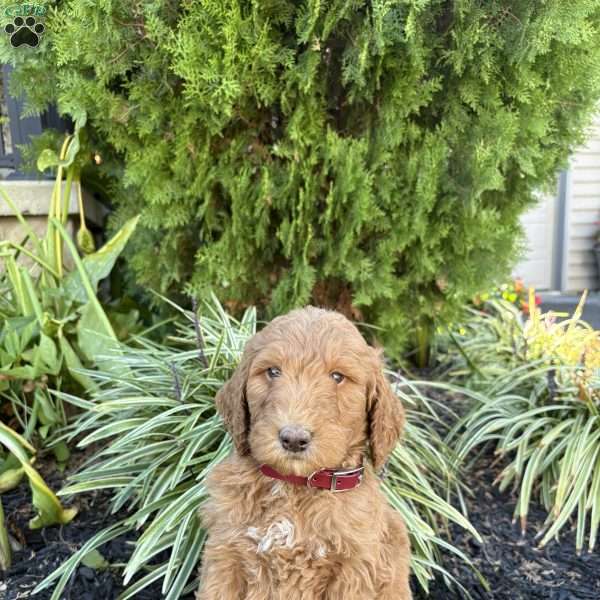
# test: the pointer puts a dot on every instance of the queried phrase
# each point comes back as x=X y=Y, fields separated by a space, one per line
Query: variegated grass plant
x=535 y=384
x=159 y=435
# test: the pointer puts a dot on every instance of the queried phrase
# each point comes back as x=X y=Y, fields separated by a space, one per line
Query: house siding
x=583 y=206
x=539 y=225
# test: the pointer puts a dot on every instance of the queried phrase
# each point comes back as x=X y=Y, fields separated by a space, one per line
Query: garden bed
x=512 y=564
x=43 y=550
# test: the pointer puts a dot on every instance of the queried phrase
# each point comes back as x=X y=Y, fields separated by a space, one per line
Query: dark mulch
x=513 y=564
x=514 y=567
x=46 y=549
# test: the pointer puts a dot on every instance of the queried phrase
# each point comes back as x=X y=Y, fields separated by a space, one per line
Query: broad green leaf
x=74 y=365
x=27 y=372
x=17 y=324
x=72 y=150
x=50 y=510
x=46 y=355
x=99 y=264
x=45 y=409
x=92 y=338
x=9 y=462
x=47 y=158
x=93 y=319
x=10 y=479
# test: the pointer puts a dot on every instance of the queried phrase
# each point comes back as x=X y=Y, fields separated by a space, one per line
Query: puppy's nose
x=294 y=438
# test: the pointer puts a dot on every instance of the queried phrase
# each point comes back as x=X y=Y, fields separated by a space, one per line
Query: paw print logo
x=24 y=32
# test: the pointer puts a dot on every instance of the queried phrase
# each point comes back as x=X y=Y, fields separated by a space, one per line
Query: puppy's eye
x=273 y=372
x=337 y=377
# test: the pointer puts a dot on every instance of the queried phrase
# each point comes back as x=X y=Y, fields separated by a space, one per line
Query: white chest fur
x=280 y=535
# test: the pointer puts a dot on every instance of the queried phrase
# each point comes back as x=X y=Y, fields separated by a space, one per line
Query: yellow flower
x=571 y=342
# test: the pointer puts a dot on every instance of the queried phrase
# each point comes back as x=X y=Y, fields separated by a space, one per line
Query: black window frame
x=23 y=128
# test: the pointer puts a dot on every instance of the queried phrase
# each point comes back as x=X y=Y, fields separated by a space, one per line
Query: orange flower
x=518 y=283
x=525 y=304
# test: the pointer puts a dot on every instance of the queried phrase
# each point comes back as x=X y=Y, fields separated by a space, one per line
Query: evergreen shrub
x=373 y=156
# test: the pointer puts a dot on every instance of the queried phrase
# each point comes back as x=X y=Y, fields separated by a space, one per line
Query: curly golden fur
x=271 y=540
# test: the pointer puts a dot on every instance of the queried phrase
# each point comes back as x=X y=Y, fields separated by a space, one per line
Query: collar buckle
x=335 y=474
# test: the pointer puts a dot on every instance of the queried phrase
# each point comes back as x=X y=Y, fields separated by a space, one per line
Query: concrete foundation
x=32 y=198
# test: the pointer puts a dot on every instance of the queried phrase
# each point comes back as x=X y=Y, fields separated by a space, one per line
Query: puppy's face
x=308 y=394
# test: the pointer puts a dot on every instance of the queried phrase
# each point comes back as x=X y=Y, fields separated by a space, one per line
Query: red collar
x=334 y=480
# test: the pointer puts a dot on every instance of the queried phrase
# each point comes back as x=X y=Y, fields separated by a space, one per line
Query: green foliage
x=51 y=324
x=52 y=321
x=534 y=390
x=158 y=435
x=378 y=153
x=49 y=509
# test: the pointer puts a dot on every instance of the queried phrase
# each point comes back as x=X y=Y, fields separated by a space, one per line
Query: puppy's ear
x=232 y=405
x=385 y=414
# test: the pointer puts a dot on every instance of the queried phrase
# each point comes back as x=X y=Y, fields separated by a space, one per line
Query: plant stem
x=67 y=198
x=424 y=331
x=56 y=208
x=5 y=554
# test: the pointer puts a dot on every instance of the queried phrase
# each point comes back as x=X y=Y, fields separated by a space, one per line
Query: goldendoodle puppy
x=296 y=512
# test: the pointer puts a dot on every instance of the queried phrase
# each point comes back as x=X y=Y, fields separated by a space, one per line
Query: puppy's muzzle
x=294 y=438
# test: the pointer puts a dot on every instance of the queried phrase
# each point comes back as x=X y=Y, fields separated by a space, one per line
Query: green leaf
x=94 y=321
x=61 y=452
x=45 y=410
x=47 y=158
x=10 y=462
x=94 y=560
x=10 y=479
x=26 y=372
x=99 y=264
x=72 y=150
x=15 y=443
x=92 y=338
x=50 y=510
x=46 y=356
x=74 y=365
x=17 y=324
